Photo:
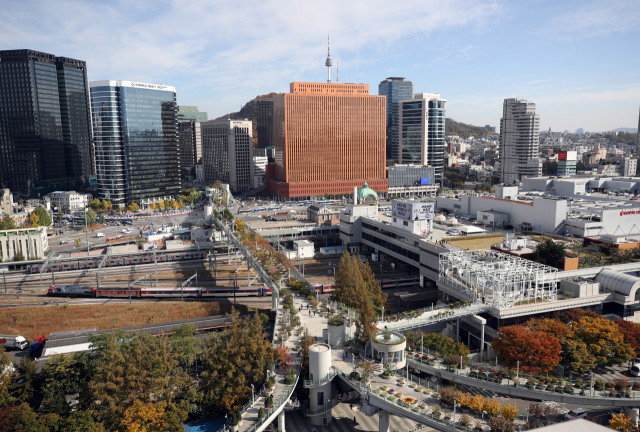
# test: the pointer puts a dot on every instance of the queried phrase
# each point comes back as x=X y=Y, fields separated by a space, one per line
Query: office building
x=567 y=161
x=227 y=153
x=411 y=180
x=135 y=129
x=519 y=141
x=328 y=139
x=45 y=131
x=421 y=124
x=490 y=128
x=260 y=171
x=6 y=202
x=31 y=243
x=187 y=113
x=638 y=131
x=396 y=89
x=190 y=145
x=69 y=200
x=628 y=165
x=264 y=123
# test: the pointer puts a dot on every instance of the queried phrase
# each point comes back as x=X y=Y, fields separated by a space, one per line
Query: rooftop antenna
x=328 y=63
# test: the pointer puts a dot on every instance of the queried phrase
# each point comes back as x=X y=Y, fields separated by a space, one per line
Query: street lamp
x=252 y=398
x=86 y=229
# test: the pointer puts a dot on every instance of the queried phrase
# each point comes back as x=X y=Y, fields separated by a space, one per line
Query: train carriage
x=170 y=292
x=71 y=291
x=117 y=292
x=400 y=282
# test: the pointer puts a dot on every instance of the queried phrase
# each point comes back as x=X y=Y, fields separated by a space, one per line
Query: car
x=575 y=414
x=65 y=241
x=615 y=412
x=508 y=226
x=634 y=199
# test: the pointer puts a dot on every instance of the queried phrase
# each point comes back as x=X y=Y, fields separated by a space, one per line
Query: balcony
x=321 y=381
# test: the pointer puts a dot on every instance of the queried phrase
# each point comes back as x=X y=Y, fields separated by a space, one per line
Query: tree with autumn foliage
x=141 y=417
x=535 y=350
x=570 y=316
x=622 y=422
x=631 y=333
x=603 y=339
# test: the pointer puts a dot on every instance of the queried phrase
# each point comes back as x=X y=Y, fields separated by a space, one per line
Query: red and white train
x=173 y=292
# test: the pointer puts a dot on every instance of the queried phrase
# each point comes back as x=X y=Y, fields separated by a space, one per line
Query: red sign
x=630 y=212
x=562 y=155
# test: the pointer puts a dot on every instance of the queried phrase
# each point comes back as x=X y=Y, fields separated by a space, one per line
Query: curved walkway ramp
x=428 y=316
x=509 y=387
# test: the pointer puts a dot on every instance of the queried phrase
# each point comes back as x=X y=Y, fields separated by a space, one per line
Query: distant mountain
x=249 y=111
x=452 y=127
x=464 y=130
x=632 y=130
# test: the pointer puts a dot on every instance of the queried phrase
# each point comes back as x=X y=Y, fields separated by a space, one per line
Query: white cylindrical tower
x=321 y=399
x=355 y=195
x=328 y=63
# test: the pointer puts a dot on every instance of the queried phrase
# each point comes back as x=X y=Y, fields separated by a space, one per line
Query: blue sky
x=579 y=61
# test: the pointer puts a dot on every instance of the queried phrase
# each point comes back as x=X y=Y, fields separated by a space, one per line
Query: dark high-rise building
x=638 y=131
x=264 y=124
x=396 y=89
x=44 y=119
x=136 y=136
x=190 y=146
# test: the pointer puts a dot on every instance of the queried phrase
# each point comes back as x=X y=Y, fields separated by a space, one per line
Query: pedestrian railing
x=482 y=373
x=320 y=381
x=431 y=315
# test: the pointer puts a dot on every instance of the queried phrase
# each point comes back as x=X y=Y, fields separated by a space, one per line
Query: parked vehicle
x=13 y=342
x=37 y=346
x=575 y=414
x=635 y=369
x=99 y=234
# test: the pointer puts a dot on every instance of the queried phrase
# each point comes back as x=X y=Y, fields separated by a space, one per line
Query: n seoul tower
x=328 y=63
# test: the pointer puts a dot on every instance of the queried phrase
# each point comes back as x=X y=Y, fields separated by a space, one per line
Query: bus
x=115 y=238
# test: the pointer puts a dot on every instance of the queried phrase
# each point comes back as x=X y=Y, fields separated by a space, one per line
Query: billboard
x=562 y=155
x=413 y=211
x=424 y=180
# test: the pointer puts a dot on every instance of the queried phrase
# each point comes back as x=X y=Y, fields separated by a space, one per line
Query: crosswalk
x=366 y=418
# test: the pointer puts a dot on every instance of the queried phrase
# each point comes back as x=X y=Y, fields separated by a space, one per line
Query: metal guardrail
x=266 y=279
x=321 y=381
x=484 y=375
x=308 y=411
x=433 y=315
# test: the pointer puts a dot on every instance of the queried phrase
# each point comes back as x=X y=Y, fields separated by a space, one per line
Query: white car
x=575 y=414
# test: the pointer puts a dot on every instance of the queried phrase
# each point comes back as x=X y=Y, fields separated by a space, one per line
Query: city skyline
x=475 y=53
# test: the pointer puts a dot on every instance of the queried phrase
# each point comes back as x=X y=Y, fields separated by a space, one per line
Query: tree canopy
x=43 y=216
x=550 y=253
x=535 y=350
x=7 y=223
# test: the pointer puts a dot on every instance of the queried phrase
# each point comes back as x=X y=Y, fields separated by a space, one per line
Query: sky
x=579 y=61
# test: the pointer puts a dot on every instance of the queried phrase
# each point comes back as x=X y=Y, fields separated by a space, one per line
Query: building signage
x=149 y=86
x=562 y=156
x=629 y=212
x=424 y=180
x=413 y=211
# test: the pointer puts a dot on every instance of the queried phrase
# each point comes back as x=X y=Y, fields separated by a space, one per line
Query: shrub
x=448 y=395
x=478 y=426
x=261 y=413
x=465 y=420
x=498 y=424
x=492 y=407
x=510 y=412
x=336 y=320
x=436 y=411
x=477 y=403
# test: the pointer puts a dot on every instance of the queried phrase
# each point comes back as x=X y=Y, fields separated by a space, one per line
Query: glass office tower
x=44 y=119
x=396 y=89
x=136 y=137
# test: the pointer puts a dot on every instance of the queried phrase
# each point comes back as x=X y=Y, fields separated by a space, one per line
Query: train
x=400 y=282
x=323 y=289
x=173 y=292
x=94 y=262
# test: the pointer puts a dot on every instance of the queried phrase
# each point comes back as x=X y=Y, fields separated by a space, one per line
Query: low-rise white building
x=69 y=200
x=31 y=243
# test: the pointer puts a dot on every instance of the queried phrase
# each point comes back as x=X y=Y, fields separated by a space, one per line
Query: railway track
x=43 y=300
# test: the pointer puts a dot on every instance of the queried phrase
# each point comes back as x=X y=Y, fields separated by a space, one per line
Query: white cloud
x=597 y=18
x=215 y=50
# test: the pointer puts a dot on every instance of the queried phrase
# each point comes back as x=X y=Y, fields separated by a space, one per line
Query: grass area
x=33 y=321
x=477 y=243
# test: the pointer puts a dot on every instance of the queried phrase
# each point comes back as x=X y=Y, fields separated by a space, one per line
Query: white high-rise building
x=421 y=131
x=519 y=141
x=227 y=153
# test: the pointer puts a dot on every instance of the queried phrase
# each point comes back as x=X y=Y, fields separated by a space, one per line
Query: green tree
x=5 y=377
x=107 y=205
x=78 y=244
x=227 y=215
x=19 y=257
x=184 y=343
x=550 y=252
x=43 y=216
x=90 y=217
x=80 y=421
x=101 y=219
x=23 y=388
x=7 y=223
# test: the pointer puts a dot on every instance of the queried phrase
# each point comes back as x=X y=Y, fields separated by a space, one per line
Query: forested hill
x=464 y=130
x=250 y=110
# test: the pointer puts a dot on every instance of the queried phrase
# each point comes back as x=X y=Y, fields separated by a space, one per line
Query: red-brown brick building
x=329 y=137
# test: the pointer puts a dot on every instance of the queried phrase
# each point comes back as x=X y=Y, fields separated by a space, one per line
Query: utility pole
x=86 y=227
